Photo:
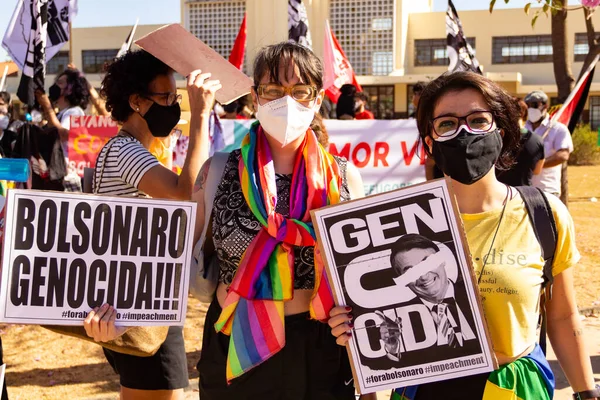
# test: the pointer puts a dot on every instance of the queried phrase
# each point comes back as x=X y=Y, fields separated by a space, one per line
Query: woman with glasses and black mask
x=263 y=338
x=469 y=124
x=141 y=95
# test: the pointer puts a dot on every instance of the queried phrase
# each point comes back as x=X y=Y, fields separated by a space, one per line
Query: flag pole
x=3 y=81
x=70 y=41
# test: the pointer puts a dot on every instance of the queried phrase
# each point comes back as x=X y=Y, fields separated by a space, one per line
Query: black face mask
x=468 y=157
x=162 y=119
x=54 y=93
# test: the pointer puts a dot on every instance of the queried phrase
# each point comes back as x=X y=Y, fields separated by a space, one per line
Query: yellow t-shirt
x=511 y=282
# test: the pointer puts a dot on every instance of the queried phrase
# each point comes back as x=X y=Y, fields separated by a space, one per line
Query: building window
x=431 y=52
x=382 y=24
x=521 y=49
x=381 y=101
x=595 y=112
x=216 y=23
x=581 y=48
x=383 y=62
x=364 y=29
x=58 y=63
x=94 y=60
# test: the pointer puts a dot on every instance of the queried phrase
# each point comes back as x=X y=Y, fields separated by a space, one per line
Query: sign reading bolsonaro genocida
x=65 y=254
x=399 y=259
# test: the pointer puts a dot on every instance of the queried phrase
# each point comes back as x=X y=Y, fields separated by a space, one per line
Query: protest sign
x=87 y=136
x=66 y=253
x=399 y=259
x=387 y=153
x=189 y=54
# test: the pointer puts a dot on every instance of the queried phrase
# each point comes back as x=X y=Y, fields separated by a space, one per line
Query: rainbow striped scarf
x=253 y=313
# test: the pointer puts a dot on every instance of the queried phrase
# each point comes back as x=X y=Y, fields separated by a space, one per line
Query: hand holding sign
x=100 y=324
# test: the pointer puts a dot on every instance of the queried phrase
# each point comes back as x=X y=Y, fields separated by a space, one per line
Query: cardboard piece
x=184 y=52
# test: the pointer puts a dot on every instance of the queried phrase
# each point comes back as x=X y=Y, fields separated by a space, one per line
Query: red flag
x=571 y=110
x=338 y=70
x=236 y=57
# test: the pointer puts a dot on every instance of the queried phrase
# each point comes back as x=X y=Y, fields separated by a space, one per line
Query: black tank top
x=234 y=226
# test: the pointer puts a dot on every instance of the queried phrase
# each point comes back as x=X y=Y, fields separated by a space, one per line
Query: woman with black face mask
x=469 y=124
x=70 y=95
x=141 y=95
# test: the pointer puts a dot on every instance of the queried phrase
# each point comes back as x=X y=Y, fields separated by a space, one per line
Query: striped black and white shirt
x=123 y=161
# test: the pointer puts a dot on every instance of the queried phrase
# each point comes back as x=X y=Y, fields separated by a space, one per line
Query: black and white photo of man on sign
x=400 y=262
x=414 y=261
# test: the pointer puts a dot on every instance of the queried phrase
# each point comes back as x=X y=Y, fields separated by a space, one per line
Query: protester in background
x=141 y=95
x=95 y=98
x=469 y=123
x=361 y=100
x=345 y=106
x=4 y=123
x=9 y=126
x=71 y=96
x=558 y=144
x=5 y=110
x=232 y=111
x=5 y=134
x=417 y=89
x=530 y=155
x=266 y=188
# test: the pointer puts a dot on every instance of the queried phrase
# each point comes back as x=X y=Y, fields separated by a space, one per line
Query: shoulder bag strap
x=544 y=227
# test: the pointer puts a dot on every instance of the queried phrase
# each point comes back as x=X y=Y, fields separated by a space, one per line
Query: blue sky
x=124 y=12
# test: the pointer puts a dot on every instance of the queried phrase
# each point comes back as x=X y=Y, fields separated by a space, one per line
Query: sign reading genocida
x=65 y=254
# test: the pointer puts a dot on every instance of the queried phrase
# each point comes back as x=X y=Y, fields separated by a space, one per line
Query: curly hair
x=77 y=94
x=127 y=75
x=499 y=101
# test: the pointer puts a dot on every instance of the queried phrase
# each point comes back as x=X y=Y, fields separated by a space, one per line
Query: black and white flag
x=34 y=69
x=17 y=37
x=127 y=43
x=298 y=23
x=461 y=54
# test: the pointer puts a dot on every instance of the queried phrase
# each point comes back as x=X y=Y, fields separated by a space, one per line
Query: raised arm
x=162 y=182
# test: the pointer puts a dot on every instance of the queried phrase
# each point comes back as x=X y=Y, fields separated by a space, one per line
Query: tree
x=558 y=10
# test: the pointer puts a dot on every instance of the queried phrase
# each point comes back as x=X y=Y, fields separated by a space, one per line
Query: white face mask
x=284 y=119
x=534 y=115
x=3 y=122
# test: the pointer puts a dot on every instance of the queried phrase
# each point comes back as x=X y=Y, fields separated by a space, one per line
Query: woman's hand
x=100 y=324
x=201 y=92
x=43 y=100
x=341 y=327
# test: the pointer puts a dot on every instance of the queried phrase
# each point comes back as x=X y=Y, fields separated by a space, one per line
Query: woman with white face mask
x=262 y=336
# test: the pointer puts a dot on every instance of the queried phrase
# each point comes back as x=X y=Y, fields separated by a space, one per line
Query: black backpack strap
x=544 y=227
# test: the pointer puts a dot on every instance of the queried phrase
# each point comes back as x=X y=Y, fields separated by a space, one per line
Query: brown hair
x=500 y=103
x=522 y=106
x=318 y=126
x=270 y=58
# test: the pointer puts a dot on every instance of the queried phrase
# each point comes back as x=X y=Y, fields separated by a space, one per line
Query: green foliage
x=548 y=7
x=586 y=150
